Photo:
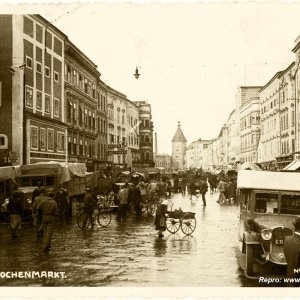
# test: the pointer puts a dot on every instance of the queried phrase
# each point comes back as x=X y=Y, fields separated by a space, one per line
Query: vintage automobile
x=269 y=203
x=26 y=204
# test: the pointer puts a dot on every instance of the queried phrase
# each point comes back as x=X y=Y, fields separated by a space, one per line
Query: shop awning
x=293 y=166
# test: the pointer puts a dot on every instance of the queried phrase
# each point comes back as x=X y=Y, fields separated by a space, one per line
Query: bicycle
x=102 y=216
x=106 y=201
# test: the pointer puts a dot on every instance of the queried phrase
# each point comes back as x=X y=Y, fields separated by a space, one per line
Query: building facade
x=199 y=155
x=233 y=142
x=163 y=161
x=145 y=135
x=179 y=150
x=85 y=116
x=33 y=97
x=250 y=130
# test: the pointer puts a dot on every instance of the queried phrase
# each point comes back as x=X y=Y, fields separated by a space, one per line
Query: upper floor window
x=56 y=107
x=47 y=71
x=28 y=62
x=29 y=98
x=56 y=76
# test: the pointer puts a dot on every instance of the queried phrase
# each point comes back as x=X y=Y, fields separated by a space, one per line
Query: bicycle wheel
x=80 y=221
x=188 y=223
x=104 y=217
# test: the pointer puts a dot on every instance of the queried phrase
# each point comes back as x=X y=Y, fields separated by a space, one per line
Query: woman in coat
x=160 y=218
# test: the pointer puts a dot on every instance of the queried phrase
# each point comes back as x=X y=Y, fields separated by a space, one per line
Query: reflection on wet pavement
x=131 y=254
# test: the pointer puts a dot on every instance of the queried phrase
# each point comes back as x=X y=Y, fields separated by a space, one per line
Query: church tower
x=178 y=149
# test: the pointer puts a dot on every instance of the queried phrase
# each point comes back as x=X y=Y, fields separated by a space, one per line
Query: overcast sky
x=192 y=57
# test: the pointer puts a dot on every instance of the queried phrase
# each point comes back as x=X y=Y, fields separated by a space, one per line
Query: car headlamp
x=266 y=234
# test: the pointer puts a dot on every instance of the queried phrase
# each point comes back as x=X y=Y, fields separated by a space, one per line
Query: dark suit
x=291 y=250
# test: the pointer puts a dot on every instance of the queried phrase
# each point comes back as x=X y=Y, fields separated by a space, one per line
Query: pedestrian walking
x=192 y=189
x=221 y=187
x=123 y=200
x=291 y=248
x=37 y=191
x=49 y=211
x=63 y=203
x=137 y=199
x=15 y=208
x=89 y=205
x=37 y=217
x=203 y=190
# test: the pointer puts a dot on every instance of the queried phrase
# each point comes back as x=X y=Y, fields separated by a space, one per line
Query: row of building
x=264 y=127
x=55 y=107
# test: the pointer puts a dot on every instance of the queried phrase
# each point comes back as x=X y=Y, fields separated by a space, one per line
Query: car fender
x=251 y=238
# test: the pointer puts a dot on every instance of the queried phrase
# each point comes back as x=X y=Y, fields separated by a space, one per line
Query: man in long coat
x=291 y=248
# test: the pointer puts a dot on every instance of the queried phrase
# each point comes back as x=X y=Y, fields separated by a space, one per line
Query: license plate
x=279 y=242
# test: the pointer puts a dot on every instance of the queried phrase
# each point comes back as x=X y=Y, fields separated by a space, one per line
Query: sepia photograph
x=150 y=145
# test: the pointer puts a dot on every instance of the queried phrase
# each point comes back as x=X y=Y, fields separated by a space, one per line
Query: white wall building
x=199 y=155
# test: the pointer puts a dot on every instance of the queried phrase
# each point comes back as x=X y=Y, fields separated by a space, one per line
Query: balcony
x=146 y=144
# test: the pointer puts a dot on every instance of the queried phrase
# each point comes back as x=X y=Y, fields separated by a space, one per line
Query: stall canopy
x=64 y=170
x=265 y=180
x=293 y=166
x=7 y=173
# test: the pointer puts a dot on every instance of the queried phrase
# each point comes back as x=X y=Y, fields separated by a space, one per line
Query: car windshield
x=266 y=203
x=290 y=204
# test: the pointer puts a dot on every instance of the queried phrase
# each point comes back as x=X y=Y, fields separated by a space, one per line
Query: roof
x=7 y=173
x=179 y=136
x=265 y=180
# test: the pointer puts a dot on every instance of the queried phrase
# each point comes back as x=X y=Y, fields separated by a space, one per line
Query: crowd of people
x=129 y=197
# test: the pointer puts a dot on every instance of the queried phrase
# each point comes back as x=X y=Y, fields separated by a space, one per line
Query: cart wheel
x=80 y=220
x=173 y=225
x=104 y=217
x=188 y=223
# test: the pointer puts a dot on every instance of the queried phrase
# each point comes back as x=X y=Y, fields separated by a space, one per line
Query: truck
x=52 y=175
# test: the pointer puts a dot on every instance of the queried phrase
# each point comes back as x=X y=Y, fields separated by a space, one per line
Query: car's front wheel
x=249 y=259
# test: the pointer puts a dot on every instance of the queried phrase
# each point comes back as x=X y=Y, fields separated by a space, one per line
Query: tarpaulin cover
x=65 y=171
x=265 y=180
x=7 y=173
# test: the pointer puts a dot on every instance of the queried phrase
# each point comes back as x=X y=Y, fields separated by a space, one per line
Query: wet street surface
x=130 y=254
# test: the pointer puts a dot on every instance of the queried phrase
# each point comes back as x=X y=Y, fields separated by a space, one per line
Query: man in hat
x=63 y=203
x=49 y=211
x=291 y=248
x=36 y=212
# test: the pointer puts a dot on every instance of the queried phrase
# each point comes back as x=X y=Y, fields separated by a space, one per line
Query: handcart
x=179 y=219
